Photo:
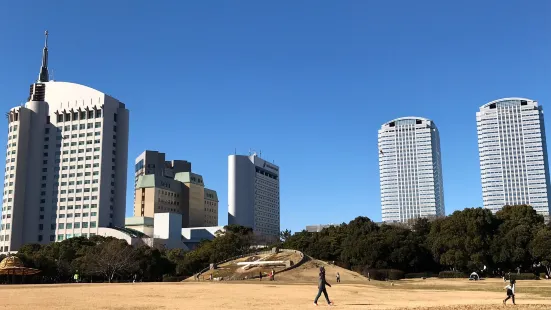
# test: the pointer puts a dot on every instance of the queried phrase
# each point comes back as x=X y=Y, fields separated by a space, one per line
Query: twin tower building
x=513 y=161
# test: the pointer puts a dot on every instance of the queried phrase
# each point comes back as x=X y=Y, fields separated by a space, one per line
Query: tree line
x=515 y=239
x=107 y=259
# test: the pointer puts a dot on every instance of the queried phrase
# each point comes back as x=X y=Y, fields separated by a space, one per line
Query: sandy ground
x=411 y=294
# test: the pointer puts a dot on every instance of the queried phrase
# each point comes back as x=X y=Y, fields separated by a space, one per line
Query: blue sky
x=307 y=82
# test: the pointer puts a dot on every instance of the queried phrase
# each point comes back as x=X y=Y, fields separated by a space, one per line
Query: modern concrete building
x=410 y=170
x=513 y=154
x=195 y=202
x=253 y=194
x=211 y=207
x=170 y=186
x=193 y=236
x=66 y=162
x=163 y=230
x=318 y=228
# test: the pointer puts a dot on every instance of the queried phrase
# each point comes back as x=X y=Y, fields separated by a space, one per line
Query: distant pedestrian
x=338 y=277
x=273 y=275
x=134 y=280
x=260 y=275
x=321 y=288
x=75 y=277
x=510 y=292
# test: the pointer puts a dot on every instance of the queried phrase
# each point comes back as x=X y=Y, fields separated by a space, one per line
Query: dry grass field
x=292 y=290
x=282 y=294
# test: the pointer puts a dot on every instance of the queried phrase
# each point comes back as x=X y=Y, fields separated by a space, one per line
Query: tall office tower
x=513 y=154
x=253 y=194
x=170 y=186
x=410 y=168
x=66 y=164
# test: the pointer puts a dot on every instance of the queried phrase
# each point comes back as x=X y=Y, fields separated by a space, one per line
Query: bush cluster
x=452 y=275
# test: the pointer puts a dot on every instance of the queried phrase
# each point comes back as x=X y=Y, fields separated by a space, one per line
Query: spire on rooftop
x=44 y=76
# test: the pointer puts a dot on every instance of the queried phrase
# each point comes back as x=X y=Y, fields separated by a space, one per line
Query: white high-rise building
x=410 y=170
x=253 y=194
x=66 y=161
x=513 y=154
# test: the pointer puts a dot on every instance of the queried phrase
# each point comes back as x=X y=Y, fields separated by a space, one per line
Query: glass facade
x=410 y=170
x=513 y=154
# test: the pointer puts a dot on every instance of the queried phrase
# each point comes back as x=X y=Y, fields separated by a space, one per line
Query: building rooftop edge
x=506 y=99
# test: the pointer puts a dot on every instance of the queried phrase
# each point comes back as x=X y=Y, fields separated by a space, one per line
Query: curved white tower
x=410 y=169
x=66 y=164
x=253 y=194
x=514 y=167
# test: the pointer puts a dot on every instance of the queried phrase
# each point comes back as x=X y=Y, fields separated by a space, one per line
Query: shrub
x=418 y=275
x=524 y=276
x=167 y=278
x=383 y=274
x=451 y=275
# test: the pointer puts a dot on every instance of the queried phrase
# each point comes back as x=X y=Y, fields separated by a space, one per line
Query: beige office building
x=211 y=208
x=66 y=161
x=170 y=186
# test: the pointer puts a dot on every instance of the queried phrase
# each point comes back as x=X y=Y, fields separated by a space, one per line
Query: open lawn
x=282 y=294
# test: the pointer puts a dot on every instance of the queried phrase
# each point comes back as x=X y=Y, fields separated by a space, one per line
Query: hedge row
x=524 y=276
x=418 y=275
x=383 y=274
x=451 y=275
x=167 y=278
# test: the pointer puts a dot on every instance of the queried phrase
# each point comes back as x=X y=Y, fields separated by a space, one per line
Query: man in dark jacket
x=321 y=287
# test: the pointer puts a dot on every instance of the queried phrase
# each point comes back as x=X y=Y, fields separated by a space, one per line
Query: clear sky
x=307 y=82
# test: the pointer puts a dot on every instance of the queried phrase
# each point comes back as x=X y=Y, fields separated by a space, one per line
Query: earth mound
x=307 y=272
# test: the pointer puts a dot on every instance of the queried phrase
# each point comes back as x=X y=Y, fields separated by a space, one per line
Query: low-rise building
x=317 y=228
x=163 y=230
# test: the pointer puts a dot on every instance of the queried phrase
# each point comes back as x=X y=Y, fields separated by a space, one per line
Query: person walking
x=321 y=288
x=510 y=292
x=260 y=276
x=338 y=277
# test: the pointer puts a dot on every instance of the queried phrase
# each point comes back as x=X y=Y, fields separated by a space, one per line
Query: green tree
x=462 y=240
x=285 y=235
x=518 y=226
x=152 y=265
x=540 y=248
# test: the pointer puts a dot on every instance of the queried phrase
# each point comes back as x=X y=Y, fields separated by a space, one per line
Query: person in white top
x=510 y=292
